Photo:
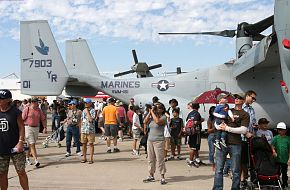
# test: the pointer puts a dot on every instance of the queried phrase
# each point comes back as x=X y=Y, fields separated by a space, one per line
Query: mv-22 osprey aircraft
x=264 y=68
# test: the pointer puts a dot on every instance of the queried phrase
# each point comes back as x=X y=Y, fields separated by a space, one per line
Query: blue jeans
x=227 y=166
x=72 y=131
x=55 y=118
x=235 y=153
x=210 y=139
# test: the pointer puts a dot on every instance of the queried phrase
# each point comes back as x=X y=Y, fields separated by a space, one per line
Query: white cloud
x=137 y=20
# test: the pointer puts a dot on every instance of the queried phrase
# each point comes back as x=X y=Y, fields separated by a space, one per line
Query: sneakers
x=67 y=154
x=178 y=158
x=79 y=153
x=109 y=151
x=223 y=143
x=116 y=150
x=192 y=163
x=36 y=164
x=217 y=145
x=135 y=152
x=149 y=179
x=28 y=162
x=162 y=181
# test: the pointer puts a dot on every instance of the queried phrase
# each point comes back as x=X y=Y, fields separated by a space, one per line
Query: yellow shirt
x=109 y=113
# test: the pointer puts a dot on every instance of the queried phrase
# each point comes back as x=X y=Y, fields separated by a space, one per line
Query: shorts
x=245 y=153
x=175 y=141
x=100 y=122
x=111 y=130
x=136 y=133
x=88 y=138
x=31 y=134
x=167 y=143
x=194 y=142
x=18 y=160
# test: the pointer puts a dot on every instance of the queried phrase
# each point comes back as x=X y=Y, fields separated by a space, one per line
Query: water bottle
x=14 y=150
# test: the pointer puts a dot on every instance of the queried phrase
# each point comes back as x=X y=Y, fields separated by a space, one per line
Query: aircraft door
x=220 y=85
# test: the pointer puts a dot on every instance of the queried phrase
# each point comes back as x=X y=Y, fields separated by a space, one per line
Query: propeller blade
x=258 y=37
x=135 y=56
x=224 y=33
x=155 y=66
x=260 y=26
x=123 y=73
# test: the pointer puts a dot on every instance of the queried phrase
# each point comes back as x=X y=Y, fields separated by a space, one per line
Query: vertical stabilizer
x=79 y=59
x=42 y=68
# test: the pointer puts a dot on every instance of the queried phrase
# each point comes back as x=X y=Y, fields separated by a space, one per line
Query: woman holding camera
x=156 y=120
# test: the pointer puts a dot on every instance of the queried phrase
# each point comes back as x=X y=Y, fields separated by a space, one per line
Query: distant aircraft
x=141 y=68
x=264 y=68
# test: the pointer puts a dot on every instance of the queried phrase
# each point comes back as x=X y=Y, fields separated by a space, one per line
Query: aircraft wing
x=261 y=55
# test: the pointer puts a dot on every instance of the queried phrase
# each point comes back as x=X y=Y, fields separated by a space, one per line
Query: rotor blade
x=123 y=73
x=135 y=56
x=224 y=33
x=260 y=26
x=258 y=37
x=155 y=66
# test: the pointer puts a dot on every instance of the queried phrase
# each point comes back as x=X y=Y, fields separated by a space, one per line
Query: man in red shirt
x=32 y=116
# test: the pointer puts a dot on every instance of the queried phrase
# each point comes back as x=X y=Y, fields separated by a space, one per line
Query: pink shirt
x=32 y=117
x=121 y=111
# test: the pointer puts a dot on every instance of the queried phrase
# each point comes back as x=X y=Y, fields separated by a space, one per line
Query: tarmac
x=120 y=170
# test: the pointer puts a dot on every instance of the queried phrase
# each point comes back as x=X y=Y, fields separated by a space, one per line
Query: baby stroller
x=57 y=136
x=264 y=172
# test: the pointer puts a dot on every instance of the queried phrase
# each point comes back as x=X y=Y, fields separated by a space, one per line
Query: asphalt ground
x=111 y=170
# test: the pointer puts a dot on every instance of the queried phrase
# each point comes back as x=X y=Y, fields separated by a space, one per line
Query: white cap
x=281 y=125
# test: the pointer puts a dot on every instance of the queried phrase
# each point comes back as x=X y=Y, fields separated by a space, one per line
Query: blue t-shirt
x=9 y=131
x=220 y=109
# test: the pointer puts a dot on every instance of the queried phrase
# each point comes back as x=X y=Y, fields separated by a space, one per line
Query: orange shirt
x=109 y=114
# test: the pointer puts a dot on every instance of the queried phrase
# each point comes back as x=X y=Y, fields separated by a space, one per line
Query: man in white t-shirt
x=99 y=116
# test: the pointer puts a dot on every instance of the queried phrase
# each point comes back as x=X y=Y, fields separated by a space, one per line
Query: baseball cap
x=240 y=96
x=221 y=96
x=5 y=94
x=87 y=100
x=263 y=121
x=281 y=125
x=34 y=99
x=72 y=102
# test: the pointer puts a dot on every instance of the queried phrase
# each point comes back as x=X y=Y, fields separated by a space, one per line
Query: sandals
x=83 y=161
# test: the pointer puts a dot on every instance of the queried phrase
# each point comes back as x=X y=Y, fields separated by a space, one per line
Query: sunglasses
x=253 y=98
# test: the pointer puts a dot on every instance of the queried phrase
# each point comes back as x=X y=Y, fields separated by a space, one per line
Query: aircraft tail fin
x=79 y=59
x=42 y=68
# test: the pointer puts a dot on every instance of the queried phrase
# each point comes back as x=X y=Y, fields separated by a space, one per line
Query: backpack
x=190 y=128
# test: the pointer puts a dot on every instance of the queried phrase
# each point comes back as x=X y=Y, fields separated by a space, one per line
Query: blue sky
x=114 y=27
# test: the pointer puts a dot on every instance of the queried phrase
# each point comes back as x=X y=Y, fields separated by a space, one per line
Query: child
x=167 y=137
x=136 y=128
x=281 y=150
x=263 y=130
x=221 y=113
x=176 y=125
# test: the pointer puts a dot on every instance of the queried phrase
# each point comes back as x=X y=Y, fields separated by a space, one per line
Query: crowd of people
x=229 y=132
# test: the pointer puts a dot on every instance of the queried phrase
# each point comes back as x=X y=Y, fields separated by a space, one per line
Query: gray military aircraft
x=264 y=68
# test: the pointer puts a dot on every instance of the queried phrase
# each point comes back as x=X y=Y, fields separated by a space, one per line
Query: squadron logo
x=163 y=85
x=43 y=49
x=4 y=125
